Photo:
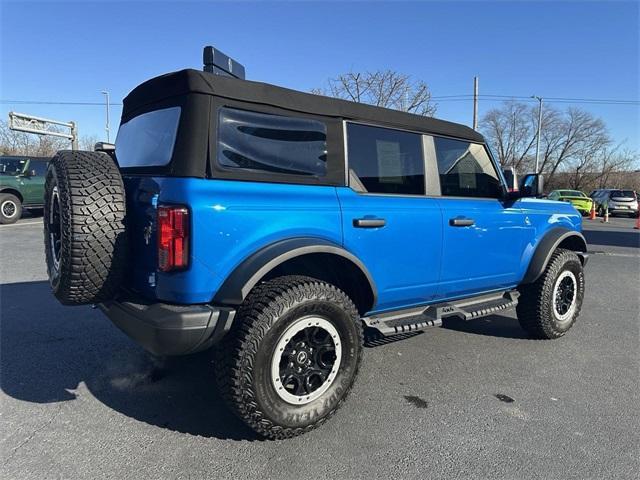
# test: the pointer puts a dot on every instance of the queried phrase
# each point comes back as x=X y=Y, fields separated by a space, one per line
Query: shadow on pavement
x=492 y=326
x=613 y=238
x=47 y=351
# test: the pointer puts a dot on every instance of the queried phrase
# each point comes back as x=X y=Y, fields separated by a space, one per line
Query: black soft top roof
x=194 y=81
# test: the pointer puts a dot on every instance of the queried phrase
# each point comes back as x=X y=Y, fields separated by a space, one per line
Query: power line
x=594 y=101
x=42 y=102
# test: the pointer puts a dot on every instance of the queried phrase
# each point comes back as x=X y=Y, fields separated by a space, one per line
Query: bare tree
x=13 y=142
x=383 y=88
x=572 y=140
x=88 y=142
x=614 y=159
x=511 y=132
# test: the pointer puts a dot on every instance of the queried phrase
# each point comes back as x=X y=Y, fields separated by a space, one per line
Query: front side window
x=271 y=143
x=386 y=160
x=148 y=139
x=12 y=165
x=466 y=169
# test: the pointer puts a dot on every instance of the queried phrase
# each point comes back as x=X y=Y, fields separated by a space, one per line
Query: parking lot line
x=35 y=222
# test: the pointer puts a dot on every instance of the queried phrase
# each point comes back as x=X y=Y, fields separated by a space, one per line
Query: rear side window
x=386 y=160
x=271 y=143
x=466 y=169
x=148 y=139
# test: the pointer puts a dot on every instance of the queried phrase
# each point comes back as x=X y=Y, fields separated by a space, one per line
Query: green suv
x=21 y=185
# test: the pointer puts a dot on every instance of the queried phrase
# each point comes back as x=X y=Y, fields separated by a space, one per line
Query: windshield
x=12 y=165
x=572 y=193
x=148 y=139
x=623 y=194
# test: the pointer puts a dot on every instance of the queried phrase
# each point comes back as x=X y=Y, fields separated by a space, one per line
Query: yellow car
x=578 y=199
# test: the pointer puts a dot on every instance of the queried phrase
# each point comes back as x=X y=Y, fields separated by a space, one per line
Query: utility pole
x=538 y=133
x=475 y=103
x=106 y=94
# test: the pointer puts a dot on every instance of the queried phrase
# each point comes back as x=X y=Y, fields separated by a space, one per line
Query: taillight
x=173 y=238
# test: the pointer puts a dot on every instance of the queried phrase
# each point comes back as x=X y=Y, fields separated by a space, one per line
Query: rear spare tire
x=84 y=227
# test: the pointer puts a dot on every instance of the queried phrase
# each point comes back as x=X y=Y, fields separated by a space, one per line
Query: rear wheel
x=292 y=357
x=84 y=231
x=10 y=208
x=549 y=307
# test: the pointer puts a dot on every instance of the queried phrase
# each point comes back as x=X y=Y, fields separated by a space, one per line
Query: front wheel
x=292 y=357
x=550 y=306
x=10 y=208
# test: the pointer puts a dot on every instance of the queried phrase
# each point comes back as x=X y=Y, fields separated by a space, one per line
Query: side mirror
x=532 y=185
x=29 y=173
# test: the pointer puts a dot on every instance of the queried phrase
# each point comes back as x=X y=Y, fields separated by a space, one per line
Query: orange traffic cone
x=592 y=215
x=605 y=219
x=637 y=227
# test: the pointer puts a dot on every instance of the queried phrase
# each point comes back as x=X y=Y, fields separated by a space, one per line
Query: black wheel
x=10 y=208
x=84 y=230
x=550 y=306
x=292 y=356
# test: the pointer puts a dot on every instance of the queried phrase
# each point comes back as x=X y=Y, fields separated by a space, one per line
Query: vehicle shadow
x=612 y=238
x=492 y=326
x=48 y=353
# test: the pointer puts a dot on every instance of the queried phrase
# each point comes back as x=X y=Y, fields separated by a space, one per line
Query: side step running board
x=414 y=319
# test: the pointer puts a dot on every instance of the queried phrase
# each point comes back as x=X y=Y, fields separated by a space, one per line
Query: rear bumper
x=166 y=329
x=622 y=210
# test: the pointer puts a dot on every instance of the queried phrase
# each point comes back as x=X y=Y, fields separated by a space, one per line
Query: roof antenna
x=218 y=63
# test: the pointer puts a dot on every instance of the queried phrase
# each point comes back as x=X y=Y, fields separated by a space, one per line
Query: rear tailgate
x=142 y=198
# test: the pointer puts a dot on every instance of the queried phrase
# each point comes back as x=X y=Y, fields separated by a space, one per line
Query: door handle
x=369 y=222
x=461 y=222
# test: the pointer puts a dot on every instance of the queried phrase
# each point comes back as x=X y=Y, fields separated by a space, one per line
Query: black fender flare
x=12 y=191
x=551 y=240
x=246 y=275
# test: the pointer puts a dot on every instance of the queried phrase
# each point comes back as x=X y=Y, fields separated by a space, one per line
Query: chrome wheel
x=306 y=360
x=564 y=296
x=9 y=209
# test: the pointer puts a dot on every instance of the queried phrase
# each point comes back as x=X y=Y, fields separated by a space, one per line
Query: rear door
x=483 y=235
x=388 y=220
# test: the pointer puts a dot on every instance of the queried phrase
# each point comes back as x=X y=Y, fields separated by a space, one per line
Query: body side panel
x=230 y=221
x=542 y=216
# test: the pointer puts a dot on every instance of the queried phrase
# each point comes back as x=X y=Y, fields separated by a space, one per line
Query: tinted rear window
x=148 y=139
x=271 y=143
x=623 y=194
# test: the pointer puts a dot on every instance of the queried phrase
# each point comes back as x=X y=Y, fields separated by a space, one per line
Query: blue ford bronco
x=275 y=227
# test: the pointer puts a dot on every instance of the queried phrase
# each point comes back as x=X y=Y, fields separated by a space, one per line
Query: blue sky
x=57 y=51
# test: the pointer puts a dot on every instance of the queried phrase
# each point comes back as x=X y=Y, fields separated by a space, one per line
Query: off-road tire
x=535 y=310
x=10 y=208
x=244 y=358
x=90 y=262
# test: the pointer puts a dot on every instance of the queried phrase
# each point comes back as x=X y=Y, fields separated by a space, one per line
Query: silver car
x=617 y=202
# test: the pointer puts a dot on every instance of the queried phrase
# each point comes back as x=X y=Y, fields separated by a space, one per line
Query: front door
x=32 y=182
x=388 y=221
x=482 y=234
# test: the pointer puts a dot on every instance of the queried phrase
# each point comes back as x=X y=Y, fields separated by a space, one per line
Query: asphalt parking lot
x=78 y=399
